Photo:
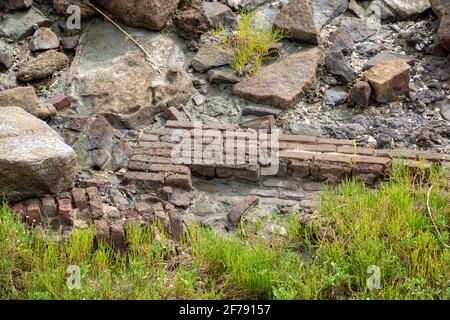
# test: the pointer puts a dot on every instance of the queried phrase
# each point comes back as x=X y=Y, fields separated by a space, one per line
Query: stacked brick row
x=96 y=201
x=301 y=156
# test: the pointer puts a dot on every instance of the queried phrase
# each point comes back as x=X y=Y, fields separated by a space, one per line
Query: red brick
x=403 y=153
x=95 y=182
x=61 y=102
x=153 y=152
x=182 y=181
x=20 y=209
x=102 y=234
x=203 y=170
x=155 y=145
x=93 y=194
x=368 y=173
x=357 y=150
x=338 y=158
x=299 y=169
x=118 y=200
x=432 y=156
x=301 y=139
x=337 y=142
x=79 y=198
x=294 y=155
x=150 y=159
x=172 y=113
x=49 y=207
x=34 y=212
x=235 y=214
x=144 y=180
x=333 y=172
x=371 y=160
x=309 y=147
x=118 y=236
x=66 y=212
x=149 y=137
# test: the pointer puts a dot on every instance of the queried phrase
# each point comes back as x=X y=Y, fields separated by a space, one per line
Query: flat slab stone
x=34 y=160
x=282 y=83
x=327 y=10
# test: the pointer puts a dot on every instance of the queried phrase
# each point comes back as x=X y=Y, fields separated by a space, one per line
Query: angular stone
x=326 y=10
x=282 y=83
x=337 y=65
x=144 y=180
x=297 y=18
x=172 y=113
x=210 y=56
x=406 y=8
x=389 y=80
x=235 y=214
x=6 y=60
x=45 y=65
x=219 y=14
x=360 y=94
x=70 y=43
x=357 y=28
x=341 y=41
x=260 y=111
x=34 y=160
x=440 y=7
x=217 y=76
x=192 y=23
x=151 y=14
x=367 y=173
x=44 y=39
x=26 y=98
x=118 y=200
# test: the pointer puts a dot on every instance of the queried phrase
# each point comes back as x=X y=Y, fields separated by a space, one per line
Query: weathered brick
x=338 y=142
x=299 y=168
x=118 y=200
x=102 y=232
x=49 y=207
x=403 y=153
x=95 y=182
x=368 y=173
x=235 y=214
x=357 y=150
x=333 y=172
x=309 y=147
x=34 y=212
x=300 y=138
x=371 y=160
x=246 y=172
x=66 y=211
x=203 y=170
x=155 y=145
x=93 y=194
x=149 y=137
x=153 y=152
x=144 y=180
x=183 y=181
x=337 y=158
x=150 y=159
x=118 y=236
x=173 y=113
x=20 y=210
x=79 y=198
x=296 y=155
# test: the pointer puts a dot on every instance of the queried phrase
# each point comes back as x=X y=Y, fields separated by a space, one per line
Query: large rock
x=297 y=18
x=34 y=160
x=114 y=79
x=26 y=98
x=389 y=79
x=282 y=83
x=408 y=8
x=15 y=4
x=45 y=65
x=440 y=7
x=151 y=14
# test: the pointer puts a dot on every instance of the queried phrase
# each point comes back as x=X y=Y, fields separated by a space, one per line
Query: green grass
x=251 y=43
x=326 y=258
